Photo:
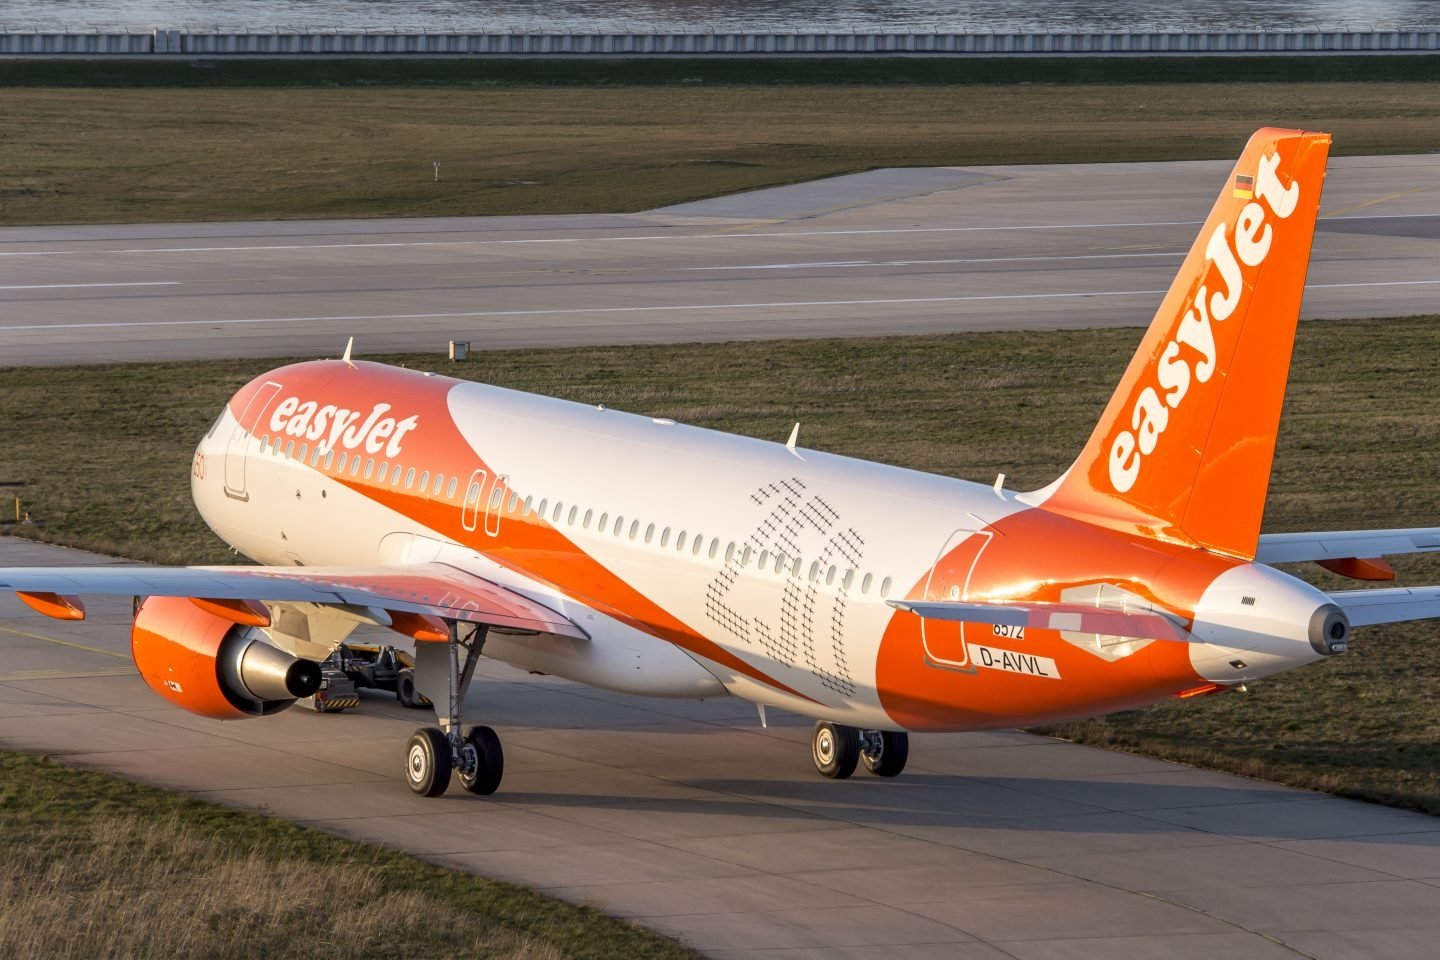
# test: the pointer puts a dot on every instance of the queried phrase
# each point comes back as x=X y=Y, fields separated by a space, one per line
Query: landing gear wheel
x=482 y=761
x=885 y=753
x=835 y=748
x=405 y=691
x=427 y=762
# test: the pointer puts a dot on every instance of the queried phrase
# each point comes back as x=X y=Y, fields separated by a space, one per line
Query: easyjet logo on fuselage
x=1190 y=354
x=336 y=426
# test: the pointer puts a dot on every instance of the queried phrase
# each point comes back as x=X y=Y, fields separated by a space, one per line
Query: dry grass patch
x=102 y=155
x=95 y=867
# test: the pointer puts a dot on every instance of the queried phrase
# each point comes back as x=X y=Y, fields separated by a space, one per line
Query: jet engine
x=213 y=666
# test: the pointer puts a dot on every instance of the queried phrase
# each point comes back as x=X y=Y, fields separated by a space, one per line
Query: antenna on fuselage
x=794 y=435
x=350 y=345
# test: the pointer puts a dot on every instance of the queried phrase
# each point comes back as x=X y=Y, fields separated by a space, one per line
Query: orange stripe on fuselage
x=527 y=544
x=929 y=681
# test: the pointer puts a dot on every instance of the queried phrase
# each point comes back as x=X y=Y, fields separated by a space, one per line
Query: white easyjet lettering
x=1249 y=245
x=350 y=429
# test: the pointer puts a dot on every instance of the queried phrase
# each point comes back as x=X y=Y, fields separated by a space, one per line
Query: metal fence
x=184 y=42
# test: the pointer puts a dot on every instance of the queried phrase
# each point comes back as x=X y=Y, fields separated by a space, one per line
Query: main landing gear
x=837 y=750
x=433 y=754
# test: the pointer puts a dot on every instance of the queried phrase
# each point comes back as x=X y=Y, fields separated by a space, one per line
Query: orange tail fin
x=1184 y=448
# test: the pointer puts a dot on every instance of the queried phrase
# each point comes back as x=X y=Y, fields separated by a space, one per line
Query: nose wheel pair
x=837 y=750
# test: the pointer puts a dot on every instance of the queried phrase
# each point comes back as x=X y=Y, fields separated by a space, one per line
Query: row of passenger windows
x=366 y=468
x=362 y=468
x=683 y=541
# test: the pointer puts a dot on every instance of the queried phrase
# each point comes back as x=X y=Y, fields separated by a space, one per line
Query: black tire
x=483 y=777
x=427 y=762
x=835 y=748
x=894 y=752
x=405 y=691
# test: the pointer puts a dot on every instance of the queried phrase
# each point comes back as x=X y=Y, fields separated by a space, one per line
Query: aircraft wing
x=1073 y=617
x=1389 y=605
x=1344 y=544
x=430 y=589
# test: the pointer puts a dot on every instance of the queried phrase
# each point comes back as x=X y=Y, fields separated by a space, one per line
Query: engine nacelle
x=213 y=666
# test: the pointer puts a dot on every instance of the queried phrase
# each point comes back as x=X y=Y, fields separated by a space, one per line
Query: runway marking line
x=1370 y=203
x=74 y=286
x=1071 y=295
x=64 y=643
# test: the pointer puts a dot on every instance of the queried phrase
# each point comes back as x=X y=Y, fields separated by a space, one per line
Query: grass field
x=96 y=867
x=1358 y=448
x=89 y=155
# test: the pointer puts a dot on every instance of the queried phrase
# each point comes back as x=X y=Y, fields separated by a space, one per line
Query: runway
x=887 y=252
x=693 y=820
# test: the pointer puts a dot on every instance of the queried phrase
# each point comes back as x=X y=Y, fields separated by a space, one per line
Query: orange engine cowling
x=213 y=666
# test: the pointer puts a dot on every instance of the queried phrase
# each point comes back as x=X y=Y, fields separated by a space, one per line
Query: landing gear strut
x=837 y=750
x=433 y=753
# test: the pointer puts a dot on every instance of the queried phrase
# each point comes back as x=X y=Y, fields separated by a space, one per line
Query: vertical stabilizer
x=1184 y=448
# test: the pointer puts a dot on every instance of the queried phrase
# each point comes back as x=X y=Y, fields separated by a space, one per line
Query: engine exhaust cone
x=303 y=678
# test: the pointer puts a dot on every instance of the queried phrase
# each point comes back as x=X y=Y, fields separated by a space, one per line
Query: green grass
x=88 y=155
x=1358 y=448
x=96 y=867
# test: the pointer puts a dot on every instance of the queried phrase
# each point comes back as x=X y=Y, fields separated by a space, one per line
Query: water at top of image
x=719 y=16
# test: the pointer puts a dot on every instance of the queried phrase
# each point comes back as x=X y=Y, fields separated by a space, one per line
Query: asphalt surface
x=693 y=820
x=885 y=252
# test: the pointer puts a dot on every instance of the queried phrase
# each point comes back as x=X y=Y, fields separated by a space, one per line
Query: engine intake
x=212 y=666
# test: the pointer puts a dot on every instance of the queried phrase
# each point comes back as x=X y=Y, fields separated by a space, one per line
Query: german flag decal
x=1244 y=187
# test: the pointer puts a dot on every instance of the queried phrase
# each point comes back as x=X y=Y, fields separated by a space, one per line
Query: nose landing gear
x=475 y=756
x=837 y=750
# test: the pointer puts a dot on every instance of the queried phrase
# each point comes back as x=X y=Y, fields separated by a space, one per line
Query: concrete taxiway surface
x=693 y=820
x=885 y=252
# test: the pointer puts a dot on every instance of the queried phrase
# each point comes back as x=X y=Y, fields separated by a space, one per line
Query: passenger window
x=439 y=483
x=745 y=556
x=513 y=503
x=340 y=465
x=779 y=563
x=424 y=481
x=472 y=492
x=330 y=458
x=714 y=547
x=730 y=552
x=865 y=584
x=543 y=509
x=699 y=542
x=395 y=475
x=369 y=468
x=290 y=449
x=680 y=541
x=649 y=533
x=830 y=577
x=849 y=579
x=619 y=526
x=604 y=523
x=588 y=515
x=450 y=493
x=528 y=502
x=265 y=443
x=764 y=556
x=409 y=478
x=665 y=537
x=814 y=571
x=304 y=449
x=571 y=519
x=634 y=528
x=497 y=495
x=355 y=467
x=315 y=457
x=885 y=587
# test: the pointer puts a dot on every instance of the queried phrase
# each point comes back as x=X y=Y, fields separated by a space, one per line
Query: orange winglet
x=55 y=605
x=419 y=626
x=1360 y=568
x=247 y=613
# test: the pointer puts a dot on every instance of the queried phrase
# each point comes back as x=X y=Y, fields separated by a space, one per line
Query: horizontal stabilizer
x=1341 y=544
x=1035 y=615
x=1366 y=608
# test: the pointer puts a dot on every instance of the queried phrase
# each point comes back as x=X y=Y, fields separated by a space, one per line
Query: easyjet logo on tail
x=1189 y=356
x=339 y=426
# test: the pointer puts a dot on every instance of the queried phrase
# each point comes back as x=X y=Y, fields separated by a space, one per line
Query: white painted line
x=1072 y=295
x=75 y=286
x=914 y=263
x=676 y=236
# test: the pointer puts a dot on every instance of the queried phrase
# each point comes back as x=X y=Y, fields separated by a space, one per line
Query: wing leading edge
x=429 y=589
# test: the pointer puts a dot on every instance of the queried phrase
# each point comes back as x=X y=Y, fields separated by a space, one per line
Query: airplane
x=648 y=557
